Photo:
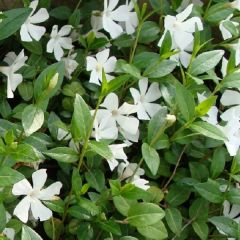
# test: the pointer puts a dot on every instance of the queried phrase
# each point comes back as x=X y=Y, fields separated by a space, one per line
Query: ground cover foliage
x=120 y=120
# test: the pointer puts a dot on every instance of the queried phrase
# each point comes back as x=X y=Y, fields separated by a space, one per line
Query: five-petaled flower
x=29 y=30
x=34 y=195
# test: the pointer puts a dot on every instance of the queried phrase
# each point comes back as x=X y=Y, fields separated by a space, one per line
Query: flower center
x=34 y=193
x=177 y=24
x=114 y=113
x=107 y=13
x=99 y=68
x=142 y=99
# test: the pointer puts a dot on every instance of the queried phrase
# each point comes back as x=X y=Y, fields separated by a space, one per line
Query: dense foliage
x=120 y=120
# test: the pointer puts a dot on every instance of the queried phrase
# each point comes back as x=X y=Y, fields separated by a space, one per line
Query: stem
x=53 y=226
x=78 y=4
x=175 y=169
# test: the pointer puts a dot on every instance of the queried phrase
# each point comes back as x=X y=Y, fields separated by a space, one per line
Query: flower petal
x=25 y=37
x=65 y=30
x=110 y=102
x=36 y=32
x=121 y=14
x=184 y=14
x=22 y=209
x=102 y=56
x=153 y=93
x=143 y=85
x=230 y=97
x=58 y=51
x=189 y=25
x=113 y=28
x=110 y=65
x=112 y=4
x=39 y=211
x=128 y=124
x=39 y=178
x=22 y=187
x=41 y=16
x=183 y=39
x=94 y=78
x=66 y=42
x=91 y=63
x=49 y=192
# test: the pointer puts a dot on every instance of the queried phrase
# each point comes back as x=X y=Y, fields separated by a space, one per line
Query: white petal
x=118 y=152
x=36 y=32
x=25 y=37
x=127 y=109
x=121 y=14
x=41 y=16
x=22 y=187
x=103 y=56
x=141 y=113
x=185 y=58
x=39 y=211
x=110 y=65
x=135 y=94
x=91 y=63
x=33 y=5
x=141 y=183
x=10 y=58
x=152 y=108
x=183 y=39
x=58 y=51
x=169 y=23
x=235 y=211
x=15 y=81
x=184 y=15
x=22 y=209
x=112 y=4
x=224 y=66
x=50 y=45
x=66 y=42
x=153 y=93
x=39 y=178
x=95 y=78
x=49 y=192
x=143 y=85
x=110 y=102
x=189 y=25
x=65 y=30
x=113 y=28
x=128 y=124
x=10 y=233
x=113 y=163
x=230 y=97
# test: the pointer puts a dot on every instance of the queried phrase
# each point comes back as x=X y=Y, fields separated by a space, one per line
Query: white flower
x=225 y=32
x=235 y=4
x=29 y=30
x=118 y=154
x=111 y=16
x=59 y=41
x=126 y=170
x=15 y=63
x=181 y=31
x=211 y=115
x=70 y=65
x=230 y=97
x=96 y=65
x=129 y=136
x=132 y=22
x=34 y=195
x=120 y=114
x=143 y=99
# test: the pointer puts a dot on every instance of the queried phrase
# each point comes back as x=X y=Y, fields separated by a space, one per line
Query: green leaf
x=205 y=62
x=26 y=90
x=199 y=209
x=124 y=41
x=156 y=231
x=85 y=231
x=55 y=205
x=13 y=21
x=53 y=227
x=122 y=204
x=144 y=214
x=177 y=195
x=9 y=176
x=232 y=80
x=144 y=59
x=3 y=219
x=166 y=44
x=117 y=82
x=208 y=130
x=151 y=158
x=29 y=234
x=96 y=179
x=149 y=32
x=101 y=148
x=110 y=226
x=49 y=82
x=76 y=181
x=157 y=123
x=218 y=12
x=202 y=108
x=159 y=68
x=124 y=67
x=174 y=220
x=218 y=162
x=201 y=229
x=227 y=225
x=33 y=46
x=32 y=119
x=210 y=190
x=185 y=102
x=63 y=154
x=81 y=119
x=23 y=153
x=61 y=13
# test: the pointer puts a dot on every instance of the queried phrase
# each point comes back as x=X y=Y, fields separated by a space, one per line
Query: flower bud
x=171 y=119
